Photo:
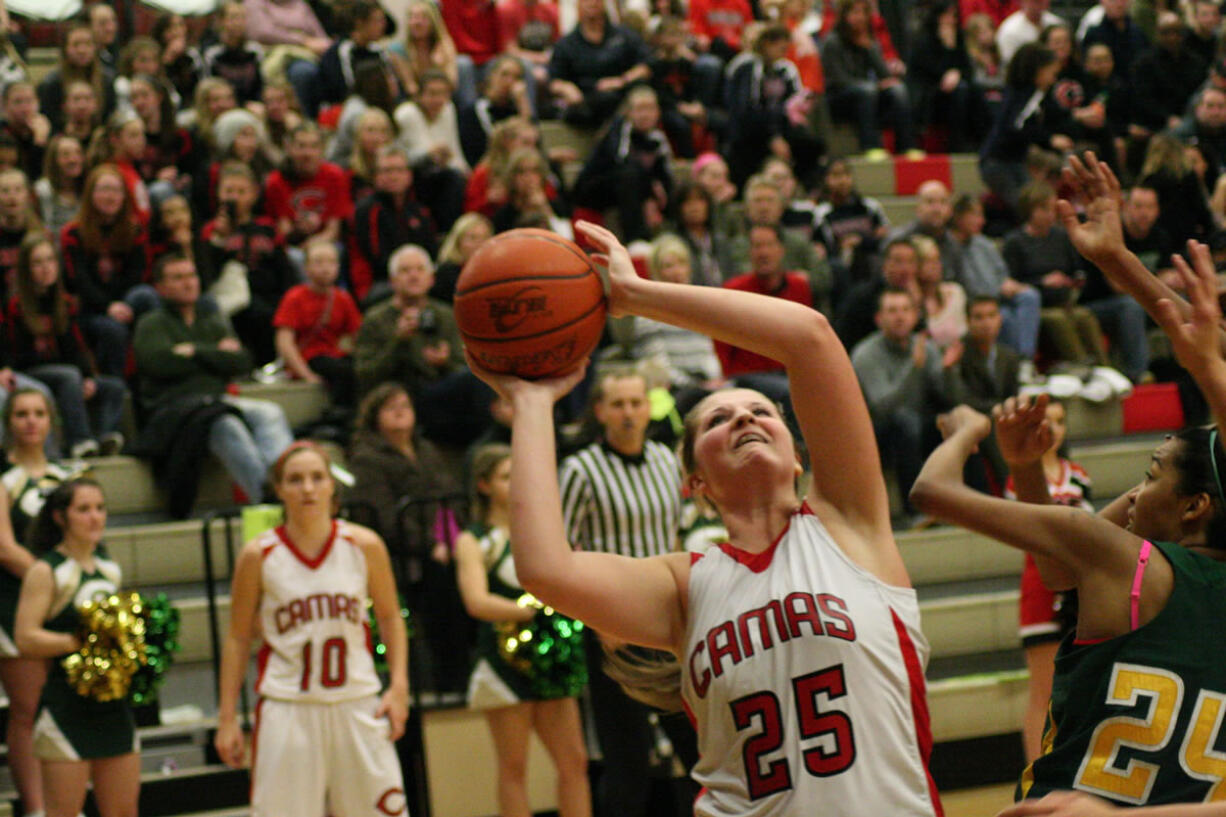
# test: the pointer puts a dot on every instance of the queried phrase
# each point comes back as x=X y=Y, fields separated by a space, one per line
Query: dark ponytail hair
x=47 y=531
x=1201 y=471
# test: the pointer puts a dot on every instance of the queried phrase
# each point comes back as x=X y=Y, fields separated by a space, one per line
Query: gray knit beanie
x=227 y=126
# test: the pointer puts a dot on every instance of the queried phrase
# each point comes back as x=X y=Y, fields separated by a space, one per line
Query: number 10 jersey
x=804 y=676
x=314 y=619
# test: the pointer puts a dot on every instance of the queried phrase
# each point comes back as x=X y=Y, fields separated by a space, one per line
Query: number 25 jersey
x=313 y=615
x=804 y=675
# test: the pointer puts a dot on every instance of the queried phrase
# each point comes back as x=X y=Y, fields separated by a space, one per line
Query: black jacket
x=176 y=438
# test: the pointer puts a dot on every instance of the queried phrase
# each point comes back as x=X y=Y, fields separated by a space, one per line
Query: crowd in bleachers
x=291 y=188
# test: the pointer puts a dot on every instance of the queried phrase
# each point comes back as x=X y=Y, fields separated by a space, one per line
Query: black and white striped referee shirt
x=614 y=503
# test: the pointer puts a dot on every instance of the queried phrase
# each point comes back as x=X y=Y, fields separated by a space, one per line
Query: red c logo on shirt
x=389 y=804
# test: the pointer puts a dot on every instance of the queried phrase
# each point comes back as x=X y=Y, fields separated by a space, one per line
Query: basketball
x=529 y=303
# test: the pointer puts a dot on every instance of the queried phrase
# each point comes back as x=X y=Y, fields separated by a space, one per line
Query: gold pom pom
x=112 y=634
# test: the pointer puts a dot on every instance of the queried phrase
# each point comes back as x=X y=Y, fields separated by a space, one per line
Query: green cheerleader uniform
x=71 y=726
x=1137 y=719
x=26 y=498
x=495 y=681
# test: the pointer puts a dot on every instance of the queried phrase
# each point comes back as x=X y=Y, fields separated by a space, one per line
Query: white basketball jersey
x=804 y=675
x=314 y=619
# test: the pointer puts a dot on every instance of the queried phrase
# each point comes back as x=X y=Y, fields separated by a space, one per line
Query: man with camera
x=413 y=339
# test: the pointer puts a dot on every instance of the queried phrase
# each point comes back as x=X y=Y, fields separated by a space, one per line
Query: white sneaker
x=1098 y=390
x=1120 y=385
x=1064 y=386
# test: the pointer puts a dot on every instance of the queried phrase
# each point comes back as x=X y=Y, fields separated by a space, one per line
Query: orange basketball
x=530 y=303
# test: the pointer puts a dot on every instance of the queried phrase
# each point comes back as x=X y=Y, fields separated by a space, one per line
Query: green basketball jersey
x=1139 y=718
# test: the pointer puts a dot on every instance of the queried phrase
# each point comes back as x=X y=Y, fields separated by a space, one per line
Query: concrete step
x=303 y=403
x=949 y=554
x=131 y=486
x=162 y=553
x=1089 y=421
x=1115 y=466
x=556 y=134
x=971 y=623
x=975 y=706
x=955 y=625
x=898 y=209
x=168 y=552
x=878 y=178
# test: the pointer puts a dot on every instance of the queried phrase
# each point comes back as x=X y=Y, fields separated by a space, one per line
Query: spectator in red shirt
x=998 y=10
x=513 y=15
x=316 y=324
x=476 y=31
x=528 y=29
x=717 y=25
x=308 y=197
x=749 y=369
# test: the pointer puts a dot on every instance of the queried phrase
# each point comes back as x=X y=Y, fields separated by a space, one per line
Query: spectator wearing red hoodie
x=123 y=145
x=308 y=197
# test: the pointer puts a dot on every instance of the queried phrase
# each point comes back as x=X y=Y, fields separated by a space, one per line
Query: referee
x=621 y=494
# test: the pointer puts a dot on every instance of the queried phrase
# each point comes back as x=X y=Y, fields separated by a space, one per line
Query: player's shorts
x=72 y=727
x=315 y=759
x=1044 y=616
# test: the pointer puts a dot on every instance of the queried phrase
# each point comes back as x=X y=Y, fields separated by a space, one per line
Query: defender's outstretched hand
x=1194 y=332
x=1022 y=431
x=1100 y=238
x=964 y=419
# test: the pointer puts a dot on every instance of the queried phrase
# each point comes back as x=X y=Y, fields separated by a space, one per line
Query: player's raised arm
x=826 y=395
x=634 y=600
x=1100 y=239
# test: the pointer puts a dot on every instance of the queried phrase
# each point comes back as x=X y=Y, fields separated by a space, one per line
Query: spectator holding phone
x=245 y=243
